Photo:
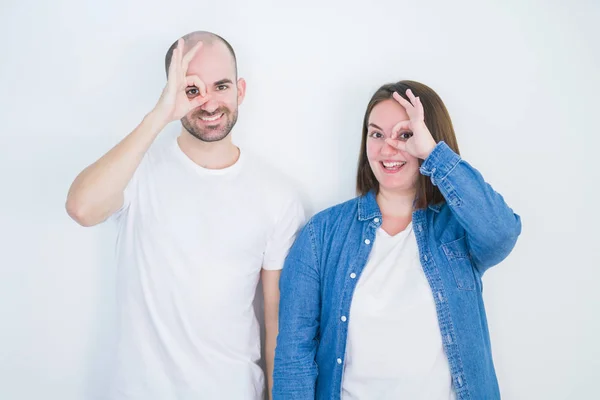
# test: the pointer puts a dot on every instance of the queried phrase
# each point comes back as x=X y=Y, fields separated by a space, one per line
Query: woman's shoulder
x=346 y=210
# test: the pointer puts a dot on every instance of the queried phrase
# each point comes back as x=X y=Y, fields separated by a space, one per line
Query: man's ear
x=241 y=90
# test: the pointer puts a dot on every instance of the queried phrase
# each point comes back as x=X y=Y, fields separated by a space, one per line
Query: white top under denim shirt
x=458 y=240
x=394 y=348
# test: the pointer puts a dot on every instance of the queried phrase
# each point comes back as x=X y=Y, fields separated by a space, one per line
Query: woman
x=381 y=296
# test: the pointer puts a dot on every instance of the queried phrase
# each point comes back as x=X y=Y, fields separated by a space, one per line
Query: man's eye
x=192 y=91
x=221 y=87
x=405 y=135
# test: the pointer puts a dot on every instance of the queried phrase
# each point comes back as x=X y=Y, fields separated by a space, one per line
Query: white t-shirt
x=190 y=248
x=394 y=347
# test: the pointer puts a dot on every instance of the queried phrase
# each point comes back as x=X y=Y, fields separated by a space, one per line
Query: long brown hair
x=437 y=120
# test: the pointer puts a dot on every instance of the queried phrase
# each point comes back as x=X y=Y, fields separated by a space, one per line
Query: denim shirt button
x=367 y=241
x=425 y=257
x=419 y=228
x=353 y=275
x=339 y=360
x=344 y=319
x=376 y=220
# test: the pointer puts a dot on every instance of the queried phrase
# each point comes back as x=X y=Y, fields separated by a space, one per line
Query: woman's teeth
x=393 y=164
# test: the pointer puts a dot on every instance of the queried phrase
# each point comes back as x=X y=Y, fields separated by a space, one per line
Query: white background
x=520 y=79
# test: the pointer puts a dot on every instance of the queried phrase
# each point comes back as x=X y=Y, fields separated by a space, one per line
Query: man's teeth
x=393 y=164
x=209 y=119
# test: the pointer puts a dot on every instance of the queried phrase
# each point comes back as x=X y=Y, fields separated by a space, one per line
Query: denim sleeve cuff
x=440 y=162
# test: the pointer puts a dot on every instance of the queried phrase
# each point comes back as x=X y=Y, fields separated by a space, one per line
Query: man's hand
x=174 y=102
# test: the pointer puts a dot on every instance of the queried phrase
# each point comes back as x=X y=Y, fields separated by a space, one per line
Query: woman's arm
x=491 y=226
x=295 y=372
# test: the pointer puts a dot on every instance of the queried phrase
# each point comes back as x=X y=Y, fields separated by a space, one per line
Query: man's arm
x=97 y=192
x=288 y=223
x=270 y=283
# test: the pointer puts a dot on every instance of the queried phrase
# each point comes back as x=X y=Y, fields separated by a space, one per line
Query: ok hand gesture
x=412 y=136
x=174 y=103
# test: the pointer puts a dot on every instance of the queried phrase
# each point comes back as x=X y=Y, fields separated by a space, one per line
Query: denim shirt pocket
x=460 y=262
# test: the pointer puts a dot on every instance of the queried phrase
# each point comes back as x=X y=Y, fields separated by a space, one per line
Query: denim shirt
x=458 y=241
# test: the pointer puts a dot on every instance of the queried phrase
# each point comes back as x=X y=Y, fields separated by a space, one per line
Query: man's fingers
x=189 y=56
x=197 y=101
x=174 y=65
x=194 y=80
x=179 y=48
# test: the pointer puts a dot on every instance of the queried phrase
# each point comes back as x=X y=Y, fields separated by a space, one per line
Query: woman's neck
x=396 y=209
x=396 y=204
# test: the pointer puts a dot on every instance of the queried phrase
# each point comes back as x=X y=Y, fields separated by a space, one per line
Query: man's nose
x=211 y=105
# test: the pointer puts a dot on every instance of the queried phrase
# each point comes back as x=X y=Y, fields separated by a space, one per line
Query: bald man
x=199 y=222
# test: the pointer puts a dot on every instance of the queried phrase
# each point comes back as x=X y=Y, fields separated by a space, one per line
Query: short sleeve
x=130 y=192
x=288 y=223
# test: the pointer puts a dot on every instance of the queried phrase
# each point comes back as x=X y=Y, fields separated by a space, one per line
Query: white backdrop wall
x=520 y=78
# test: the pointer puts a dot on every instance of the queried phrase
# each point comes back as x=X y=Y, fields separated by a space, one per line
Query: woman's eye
x=405 y=135
x=376 y=135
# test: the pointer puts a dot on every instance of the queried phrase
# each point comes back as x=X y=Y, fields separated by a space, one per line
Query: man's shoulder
x=268 y=178
x=162 y=147
x=158 y=154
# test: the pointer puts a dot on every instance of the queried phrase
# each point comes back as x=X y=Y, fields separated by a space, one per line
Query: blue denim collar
x=436 y=207
x=368 y=207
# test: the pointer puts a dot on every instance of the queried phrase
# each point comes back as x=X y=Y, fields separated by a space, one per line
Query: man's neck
x=210 y=155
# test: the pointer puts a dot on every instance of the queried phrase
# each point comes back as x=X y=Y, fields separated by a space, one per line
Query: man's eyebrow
x=222 y=82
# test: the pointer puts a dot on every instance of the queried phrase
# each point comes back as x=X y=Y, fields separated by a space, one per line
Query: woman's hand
x=412 y=136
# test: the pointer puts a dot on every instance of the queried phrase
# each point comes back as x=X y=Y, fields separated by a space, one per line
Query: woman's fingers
x=411 y=97
x=407 y=106
x=397 y=144
x=399 y=127
x=420 y=109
